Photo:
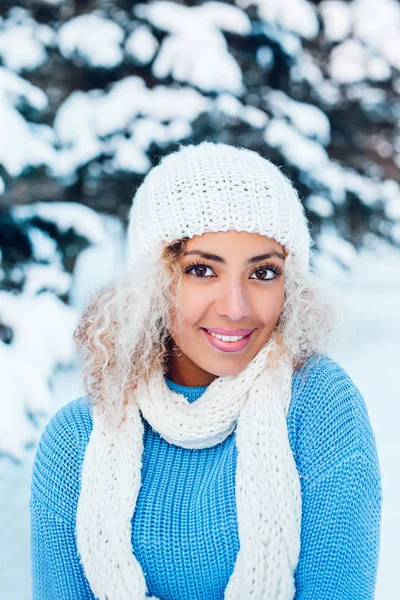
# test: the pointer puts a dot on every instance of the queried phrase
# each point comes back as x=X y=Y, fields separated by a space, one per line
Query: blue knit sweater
x=184 y=528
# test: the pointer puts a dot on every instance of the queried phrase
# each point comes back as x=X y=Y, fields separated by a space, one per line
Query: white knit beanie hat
x=216 y=187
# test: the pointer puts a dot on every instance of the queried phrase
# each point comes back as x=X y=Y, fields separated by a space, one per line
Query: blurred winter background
x=92 y=93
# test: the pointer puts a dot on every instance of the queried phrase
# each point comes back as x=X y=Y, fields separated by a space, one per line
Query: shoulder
x=73 y=420
x=59 y=456
x=328 y=418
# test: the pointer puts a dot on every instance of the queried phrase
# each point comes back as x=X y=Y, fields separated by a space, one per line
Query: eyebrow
x=250 y=261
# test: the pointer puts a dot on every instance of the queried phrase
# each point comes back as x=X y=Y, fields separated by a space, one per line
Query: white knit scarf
x=268 y=496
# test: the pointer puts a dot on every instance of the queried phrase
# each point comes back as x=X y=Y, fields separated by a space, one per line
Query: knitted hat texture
x=216 y=187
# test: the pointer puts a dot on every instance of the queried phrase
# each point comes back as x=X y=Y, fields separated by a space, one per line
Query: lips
x=228 y=346
x=221 y=331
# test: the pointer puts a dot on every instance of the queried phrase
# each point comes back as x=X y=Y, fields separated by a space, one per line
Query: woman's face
x=232 y=285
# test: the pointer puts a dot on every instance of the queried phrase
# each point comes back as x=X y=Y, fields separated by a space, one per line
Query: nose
x=233 y=302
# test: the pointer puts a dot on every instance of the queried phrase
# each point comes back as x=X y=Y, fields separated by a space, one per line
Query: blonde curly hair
x=125 y=332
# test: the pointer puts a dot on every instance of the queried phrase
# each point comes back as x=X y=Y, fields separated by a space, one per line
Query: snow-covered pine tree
x=94 y=92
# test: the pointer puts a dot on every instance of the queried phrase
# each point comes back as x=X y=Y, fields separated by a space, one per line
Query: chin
x=226 y=371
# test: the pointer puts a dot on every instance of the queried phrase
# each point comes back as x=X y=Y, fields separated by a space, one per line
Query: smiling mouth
x=227 y=343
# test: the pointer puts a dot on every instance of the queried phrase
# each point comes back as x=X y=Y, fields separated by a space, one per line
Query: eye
x=264 y=273
x=267 y=273
x=198 y=270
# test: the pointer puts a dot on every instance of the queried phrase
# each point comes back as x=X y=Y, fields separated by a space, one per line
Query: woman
x=219 y=453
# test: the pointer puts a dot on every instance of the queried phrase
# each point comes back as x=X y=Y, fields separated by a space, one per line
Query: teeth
x=227 y=338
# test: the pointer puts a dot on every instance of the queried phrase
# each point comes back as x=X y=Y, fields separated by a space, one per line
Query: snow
x=366 y=94
x=254 y=116
x=142 y=45
x=20 y=394
x=73 y=127
x=289 y=42
x=71 y=158
x=378 y=69
x=73 y=116
x=308 y=119
x=201 y=59
x=93 y=39
x=337 y=19
x=369 y=350
x=336 y=248
x=41 y=324
x=195 y=51
x=379 y=29
x=298 y=16
x=365 y=52
x=42 y=329
x=46 y=277
x=98 y=264
x=298 y=150
x=102 y=114
x=145 y=130
x=177 y=18
x=54 y=2
x=128 y=156
x=320 y=206
x=265 y=57
x=90 y=124
x=14 y=156
x=348 y=62
x=336 y=180
x=19 y=50
x=66 y=215
x=14 y=89
x=351 y=61
x=23 y=41
x=231 y=106
x=305 y=68
x=364 y=188
x=165 y=103
x=114 y=110
x=391 y=196
x=225 y=17
x=178 y=129
x=395 y=233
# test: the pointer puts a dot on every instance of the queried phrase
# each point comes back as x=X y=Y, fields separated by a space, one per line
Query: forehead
x=240 y=241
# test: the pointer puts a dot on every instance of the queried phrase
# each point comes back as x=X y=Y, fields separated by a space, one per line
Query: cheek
x=269 y=306
x=191 y=306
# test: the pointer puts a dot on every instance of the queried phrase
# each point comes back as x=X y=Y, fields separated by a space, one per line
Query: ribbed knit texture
x=216 y=187
x=184 y=530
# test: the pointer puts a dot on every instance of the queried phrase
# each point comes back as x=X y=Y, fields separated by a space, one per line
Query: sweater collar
x=191 y=393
